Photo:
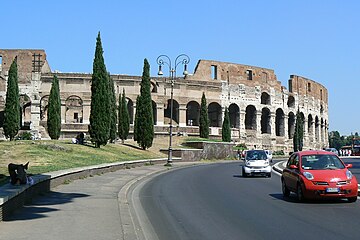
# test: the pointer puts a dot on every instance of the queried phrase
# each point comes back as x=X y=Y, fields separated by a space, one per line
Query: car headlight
x=308 y=175
x=349 y=175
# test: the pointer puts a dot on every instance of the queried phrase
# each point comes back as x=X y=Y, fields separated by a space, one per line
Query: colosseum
x=262 y=111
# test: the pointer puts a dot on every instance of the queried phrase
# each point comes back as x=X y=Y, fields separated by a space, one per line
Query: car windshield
x=321 y=162
x=255 y=155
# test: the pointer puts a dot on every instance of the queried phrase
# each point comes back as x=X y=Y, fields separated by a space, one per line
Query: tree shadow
x=40 y=205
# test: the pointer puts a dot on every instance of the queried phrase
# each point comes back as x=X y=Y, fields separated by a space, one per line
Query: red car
x=318 y=174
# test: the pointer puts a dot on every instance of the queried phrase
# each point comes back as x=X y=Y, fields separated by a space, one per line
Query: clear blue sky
x=317 y=39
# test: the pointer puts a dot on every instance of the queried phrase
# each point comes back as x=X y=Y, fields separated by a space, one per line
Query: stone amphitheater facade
x=262 y=111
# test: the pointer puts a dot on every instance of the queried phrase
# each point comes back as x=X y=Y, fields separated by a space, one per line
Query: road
x=216 y=202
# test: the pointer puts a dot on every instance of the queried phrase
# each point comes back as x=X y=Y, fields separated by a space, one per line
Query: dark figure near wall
x=17 y=173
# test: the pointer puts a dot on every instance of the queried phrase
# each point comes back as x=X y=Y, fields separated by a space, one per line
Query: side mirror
x=293 y=167
x=349 y=165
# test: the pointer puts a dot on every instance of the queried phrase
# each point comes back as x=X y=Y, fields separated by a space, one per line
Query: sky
x=316 y=39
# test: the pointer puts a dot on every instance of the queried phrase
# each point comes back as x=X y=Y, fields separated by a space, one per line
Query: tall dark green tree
x=298 y=139
x=99 y=127
x=136 y=120
x=54 y=110
x=113 y=113
x=12 y=105
x=226 y=130
x=204 y=118
x=124 y=118
x=144 y=112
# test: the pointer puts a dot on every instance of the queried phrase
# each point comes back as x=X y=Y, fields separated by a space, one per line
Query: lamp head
x=160 y=73
x=185 y=73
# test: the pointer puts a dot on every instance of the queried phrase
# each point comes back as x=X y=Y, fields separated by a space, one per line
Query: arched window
x=250 y=117
x=265 y=121
x=265 y=98
x=192 y=113
x=291 y=102
x=74 y=109
x=234 y=114
x=279 y=122
x=215 y=114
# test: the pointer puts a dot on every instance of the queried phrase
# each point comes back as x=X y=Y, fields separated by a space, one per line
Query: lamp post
x=164 y=59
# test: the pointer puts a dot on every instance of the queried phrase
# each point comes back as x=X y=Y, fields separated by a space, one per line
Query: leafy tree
x=124 y=118
x=144 y=113
x=99 y=127
x=226 y=130
x=113 y=114
x=54 y=110
x=12 y=105
x=298 y=138
x=204 y=118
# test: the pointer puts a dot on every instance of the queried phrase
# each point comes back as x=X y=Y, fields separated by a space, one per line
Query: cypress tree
x=299 y=133
x=54 y=110
x=136 y=119
x=99 y=127
x=144 y=113
x=226 y=130
x=113 y=114
x=12 y=105
x=204 y=118
x=124 y=119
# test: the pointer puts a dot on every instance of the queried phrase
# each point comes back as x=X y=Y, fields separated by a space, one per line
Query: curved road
x=216 y=202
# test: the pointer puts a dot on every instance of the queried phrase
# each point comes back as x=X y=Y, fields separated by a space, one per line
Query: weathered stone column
x=35 y=100
x=86 y=111
x=242 y=124
x=182 y=115
x=159 y=114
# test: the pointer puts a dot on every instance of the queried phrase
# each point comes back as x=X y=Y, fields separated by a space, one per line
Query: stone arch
x=265 y=98
x=175 y=112
x=291 y=102
x=192 y=113
x=265 y=121
x=279 y=123
x=25 y=108
x=317 y=128
x=215 y=114
x=154 y=109
x=234 y=115
x=291 y=125
x=130 y=107
x=250 y=117
x=74 y=109
x=44 y=101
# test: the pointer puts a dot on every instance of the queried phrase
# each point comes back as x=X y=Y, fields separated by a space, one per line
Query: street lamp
x=164 y=59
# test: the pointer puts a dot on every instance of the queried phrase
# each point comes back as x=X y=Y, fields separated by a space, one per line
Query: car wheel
x=243 y=172
x=285 y=190
x=300 y=194
x=352 y=199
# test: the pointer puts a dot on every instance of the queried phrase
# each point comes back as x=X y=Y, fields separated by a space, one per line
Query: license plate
x=332 y=190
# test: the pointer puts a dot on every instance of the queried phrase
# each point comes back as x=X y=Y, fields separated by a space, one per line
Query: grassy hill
x=52 y=155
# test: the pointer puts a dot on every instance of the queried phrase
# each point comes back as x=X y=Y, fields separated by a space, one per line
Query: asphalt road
x=216 y=202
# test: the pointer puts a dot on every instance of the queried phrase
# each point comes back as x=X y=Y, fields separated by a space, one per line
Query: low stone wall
x=204 y=150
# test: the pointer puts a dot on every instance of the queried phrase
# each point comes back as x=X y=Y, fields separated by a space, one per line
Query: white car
x=269 y=154
x=256 y=163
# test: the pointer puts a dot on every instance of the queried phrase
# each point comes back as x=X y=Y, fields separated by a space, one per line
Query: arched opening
x=130 y=107
x=175 y=112
x=154 y=109
x=291 y=125
x=234 y=115
x=154 y=87
x=291 y=102
x=74 y=109
x=310 y=127
x=265 y=121
x=250 y=117
x=25 y=117
x=317 y=124
x=265 y=98
x=215 y=114
x=279 y=123
x=44 y=101
x=192 y=113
